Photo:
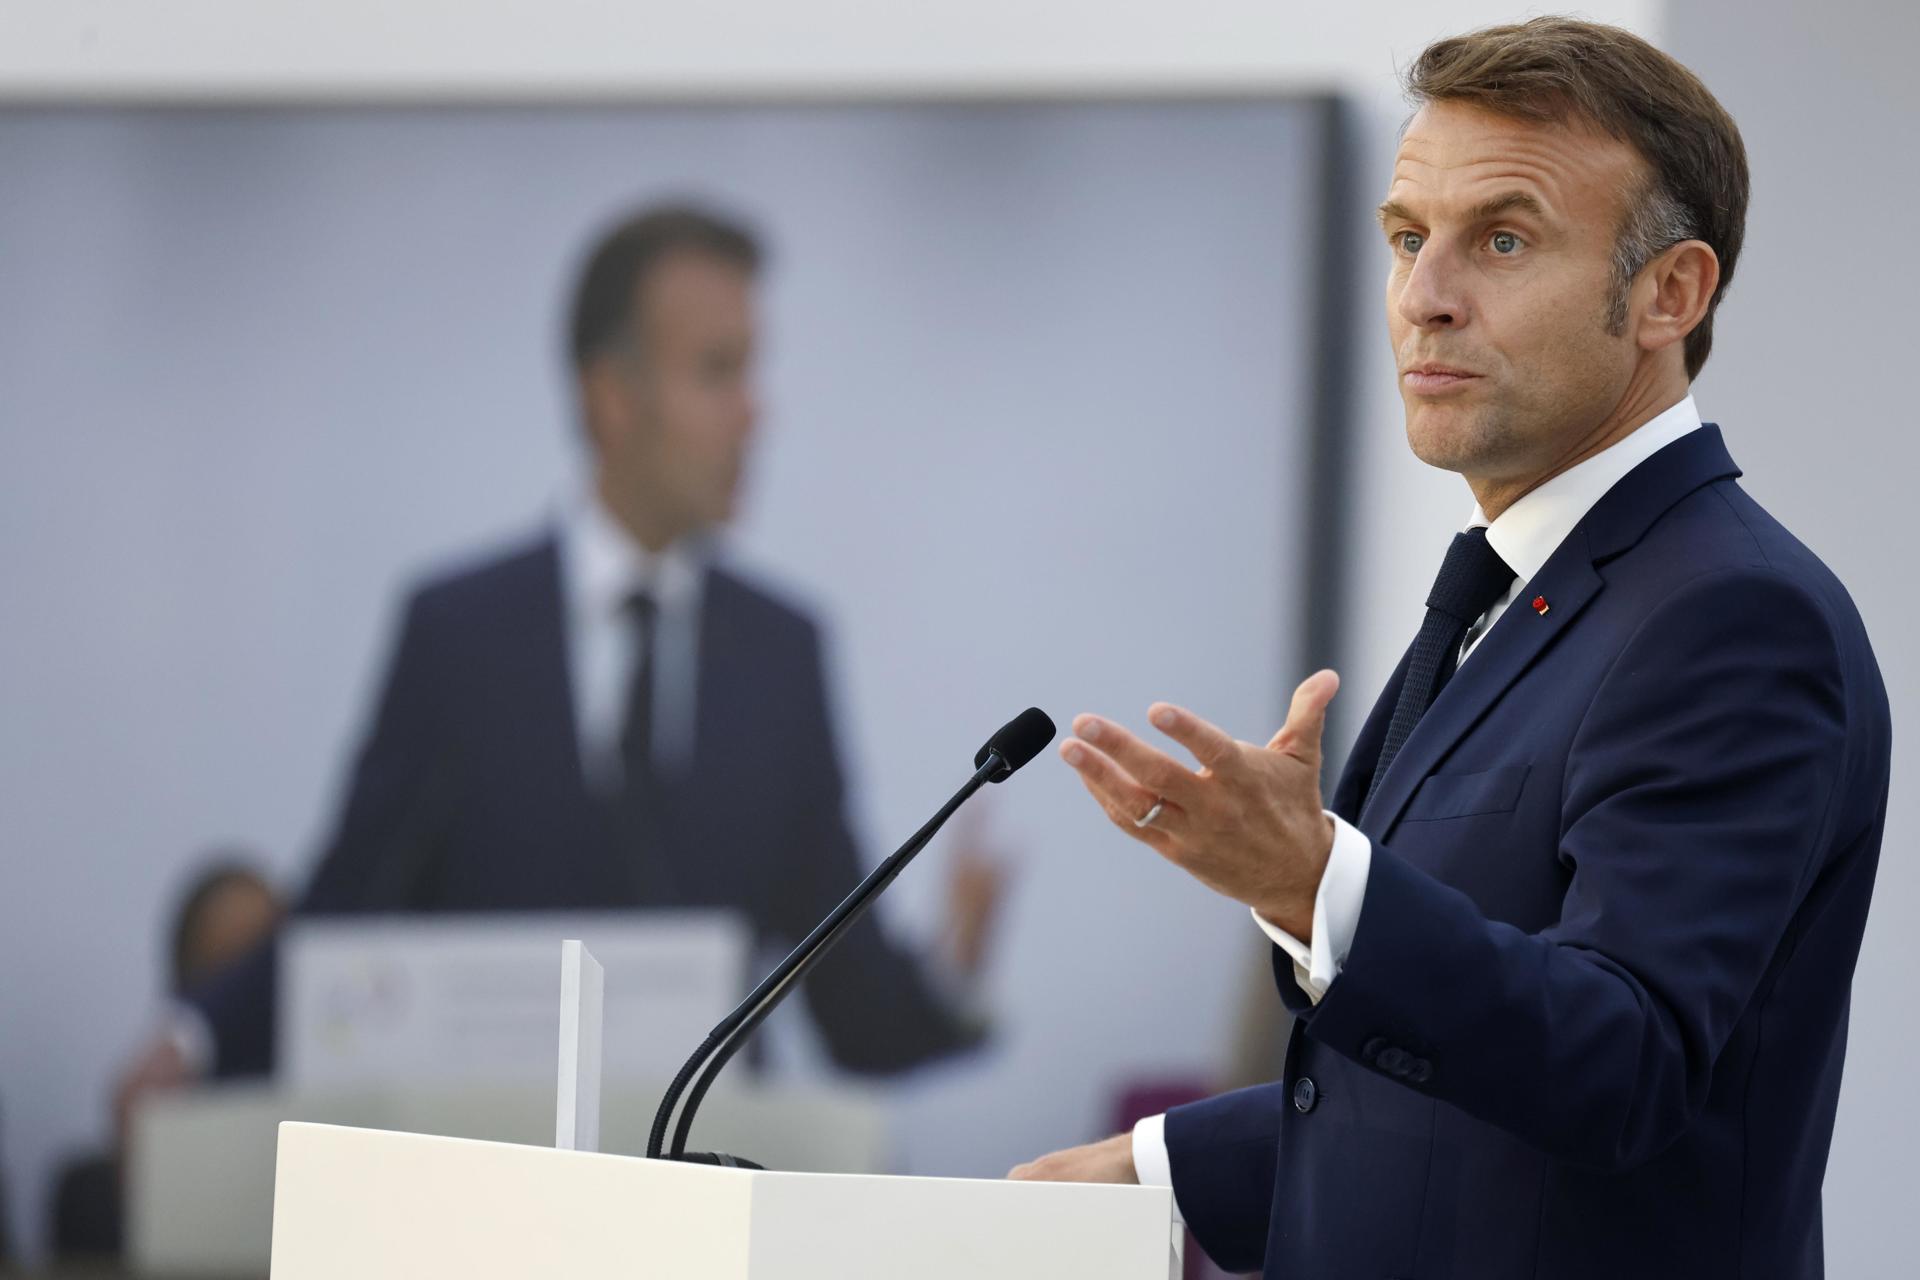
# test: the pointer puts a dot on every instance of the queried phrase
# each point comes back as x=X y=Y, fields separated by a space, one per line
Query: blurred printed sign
x=476 y=999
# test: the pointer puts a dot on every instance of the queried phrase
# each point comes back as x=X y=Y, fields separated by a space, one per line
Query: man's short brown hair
x=602 y=314
x=1560 y=70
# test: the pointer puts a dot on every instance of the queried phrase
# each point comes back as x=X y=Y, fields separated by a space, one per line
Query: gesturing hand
x=977 y=880
x=1249 y=823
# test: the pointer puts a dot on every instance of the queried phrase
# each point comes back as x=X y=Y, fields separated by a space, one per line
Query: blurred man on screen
x=605 y=716
x=1569 y=947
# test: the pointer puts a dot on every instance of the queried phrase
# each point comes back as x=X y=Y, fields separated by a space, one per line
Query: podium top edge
x=306 y=1127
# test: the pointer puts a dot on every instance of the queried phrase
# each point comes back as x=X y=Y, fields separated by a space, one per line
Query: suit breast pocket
x=1465 y=795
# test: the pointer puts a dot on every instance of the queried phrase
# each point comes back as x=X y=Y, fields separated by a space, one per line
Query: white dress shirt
x=601 y=569
x=1525 y=536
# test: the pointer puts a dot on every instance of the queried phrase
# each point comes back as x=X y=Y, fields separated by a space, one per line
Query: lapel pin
x=1540 y=605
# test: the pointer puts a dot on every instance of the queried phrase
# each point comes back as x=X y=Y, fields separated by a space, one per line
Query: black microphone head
x=1019 y=740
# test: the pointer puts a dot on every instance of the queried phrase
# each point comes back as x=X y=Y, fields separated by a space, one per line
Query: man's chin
x=714 y=519
x=725 y=511
x=1445 y=437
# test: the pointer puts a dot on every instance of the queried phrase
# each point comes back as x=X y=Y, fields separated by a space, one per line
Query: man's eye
x=1409 y=242
x=1505 y=242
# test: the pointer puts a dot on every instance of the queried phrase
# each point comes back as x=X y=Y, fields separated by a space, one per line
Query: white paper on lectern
x=468 y=1000
x=582 y=986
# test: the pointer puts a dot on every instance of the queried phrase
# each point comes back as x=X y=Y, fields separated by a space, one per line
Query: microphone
x=1018 y=741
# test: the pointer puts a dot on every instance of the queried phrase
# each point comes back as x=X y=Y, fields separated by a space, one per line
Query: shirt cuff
x=1151 y=1163
x=191 y=1036
x=1336 y=913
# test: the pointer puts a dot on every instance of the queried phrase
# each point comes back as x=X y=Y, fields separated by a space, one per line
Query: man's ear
x=1674 y=292
x=604 y=402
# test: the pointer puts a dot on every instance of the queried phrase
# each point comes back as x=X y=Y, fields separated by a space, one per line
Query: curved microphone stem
x=727 y=1037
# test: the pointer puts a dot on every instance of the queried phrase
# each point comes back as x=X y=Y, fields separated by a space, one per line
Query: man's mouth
x=1433 y=376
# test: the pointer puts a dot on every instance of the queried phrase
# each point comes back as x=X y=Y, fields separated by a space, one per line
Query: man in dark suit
x=1569 y=954
x=605 y=716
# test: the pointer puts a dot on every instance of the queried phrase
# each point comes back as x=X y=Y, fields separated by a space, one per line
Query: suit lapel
x=551 y=675
x=1567 y=584
x=719 y=678
x=708 y=784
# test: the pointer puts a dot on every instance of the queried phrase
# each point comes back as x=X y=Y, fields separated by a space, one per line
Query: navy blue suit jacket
x=469 y=796
x=1593 y=1018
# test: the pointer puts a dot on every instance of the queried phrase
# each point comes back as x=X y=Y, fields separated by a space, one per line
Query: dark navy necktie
x=639 y=800
x=645 y=801
x=636 y=732
x=1472 y=578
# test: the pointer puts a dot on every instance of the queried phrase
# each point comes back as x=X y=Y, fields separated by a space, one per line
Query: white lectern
x=376 y=1205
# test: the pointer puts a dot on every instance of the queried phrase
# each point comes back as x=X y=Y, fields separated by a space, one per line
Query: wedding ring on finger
x=1151 y=814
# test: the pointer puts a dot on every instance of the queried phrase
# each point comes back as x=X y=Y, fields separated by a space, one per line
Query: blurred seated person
x=226 y=912
x=605 y=716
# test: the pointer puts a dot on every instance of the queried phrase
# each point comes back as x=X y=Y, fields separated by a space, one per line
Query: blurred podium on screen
x=470 y=1000
x=450 y=1027
x=200 y=1176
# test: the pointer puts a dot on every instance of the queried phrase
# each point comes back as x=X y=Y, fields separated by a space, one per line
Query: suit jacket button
x=1392 y=1060
x=1305 y=1094
x=1371 y=1049
x=1420 y=1071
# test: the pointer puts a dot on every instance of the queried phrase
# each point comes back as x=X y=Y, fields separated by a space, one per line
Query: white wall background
x=1811 y=375
x=1808 y=376
x=1029 y=371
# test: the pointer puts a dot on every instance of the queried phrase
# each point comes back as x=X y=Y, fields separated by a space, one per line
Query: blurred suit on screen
x=605 y=717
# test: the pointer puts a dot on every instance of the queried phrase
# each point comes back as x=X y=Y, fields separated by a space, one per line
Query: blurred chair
x=86 y=1209
x=227 y=908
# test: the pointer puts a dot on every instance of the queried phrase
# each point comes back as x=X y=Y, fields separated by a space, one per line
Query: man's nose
x=1434 y=296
